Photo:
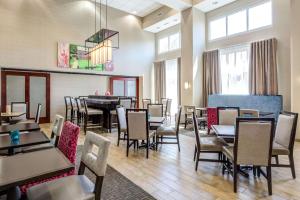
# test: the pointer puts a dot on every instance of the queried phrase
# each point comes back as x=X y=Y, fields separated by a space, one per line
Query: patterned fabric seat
x=212 y=118
x=67 y=144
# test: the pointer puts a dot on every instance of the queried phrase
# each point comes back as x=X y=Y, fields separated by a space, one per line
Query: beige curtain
x=160 y=80
x=263 y=68
x=211 y=75
x=179 y=80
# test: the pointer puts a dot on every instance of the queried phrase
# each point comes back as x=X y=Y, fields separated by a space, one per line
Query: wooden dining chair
x=125 y=102
x=252 y=147
x=285 y=139
x=168 y=132
x=206 y=145
x=227 y=115
x=78 y=186
x=138 y=129
x=155 y=110
x=164 y=102
x=21 y=107
x=145 y=103
x=188 y=114
x=122 y=125
x=89 y=117
x=68 y=108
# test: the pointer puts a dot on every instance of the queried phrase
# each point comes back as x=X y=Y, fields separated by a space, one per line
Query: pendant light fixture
x=101 y=44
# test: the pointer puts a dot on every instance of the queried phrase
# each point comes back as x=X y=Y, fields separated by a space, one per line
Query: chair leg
x=178 y=143
x=235 y=171
x=269 y=177
x=81 y=168
x=197 y=160
x=119 y=135
x=292 y=164
x=195 y=152
x=127 y=149
x=147 y=149
x=98 y=187
x=85 y=123
x=156 y=142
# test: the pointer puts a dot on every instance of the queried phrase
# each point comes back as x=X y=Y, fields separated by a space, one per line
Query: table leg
x=13 y=193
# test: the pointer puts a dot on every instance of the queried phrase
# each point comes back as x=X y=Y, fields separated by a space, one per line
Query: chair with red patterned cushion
x=67 y=144
x=212 y=118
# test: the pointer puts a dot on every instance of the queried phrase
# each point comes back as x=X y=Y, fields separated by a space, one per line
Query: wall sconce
x=187 y=85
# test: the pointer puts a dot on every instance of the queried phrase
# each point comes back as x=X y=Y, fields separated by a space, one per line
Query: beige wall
x=295 y=57
x=279 y=30
x=30 y=30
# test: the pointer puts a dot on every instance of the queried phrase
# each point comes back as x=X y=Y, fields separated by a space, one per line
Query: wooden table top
x=24 y=168
x=26 y=139
x=4 y=129
x=156 y=120
x=12 y=114
x=224 y=130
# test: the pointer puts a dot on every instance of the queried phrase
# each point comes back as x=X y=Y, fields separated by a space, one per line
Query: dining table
x=159 y=120
x=30 y=167
x=8 y=115
x=25 y=139
x=4 y=129
x=227 y=131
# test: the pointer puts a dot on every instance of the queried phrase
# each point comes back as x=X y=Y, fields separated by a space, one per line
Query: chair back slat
x=196 y=129
x=253 y=142
x=178 y=119
x=121 y=114
x=228 y=115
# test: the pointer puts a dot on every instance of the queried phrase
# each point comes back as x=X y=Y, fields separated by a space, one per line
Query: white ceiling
x=209 y=5
x=164 y=24
x=137 y=7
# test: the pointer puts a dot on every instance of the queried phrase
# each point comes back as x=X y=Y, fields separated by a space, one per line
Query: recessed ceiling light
x=215 y=2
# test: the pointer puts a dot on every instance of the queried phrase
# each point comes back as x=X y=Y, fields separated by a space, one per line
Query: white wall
x=30 y=30
x=279 y=30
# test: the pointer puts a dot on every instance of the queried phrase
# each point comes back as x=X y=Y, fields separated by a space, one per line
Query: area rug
x=115 y=185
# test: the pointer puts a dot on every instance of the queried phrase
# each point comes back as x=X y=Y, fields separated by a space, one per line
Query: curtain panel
x=211 y=75
x=160 y=80
x=263 y=68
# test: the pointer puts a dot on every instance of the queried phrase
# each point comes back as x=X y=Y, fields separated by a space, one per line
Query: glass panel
x=172 y=84
x=163 y=45
x=131 y=88
x=260 y=16
x=15 y=88
x=217 y=28
x=174 y=41
x=237 y=22
x=37 y=95
x=118 y=88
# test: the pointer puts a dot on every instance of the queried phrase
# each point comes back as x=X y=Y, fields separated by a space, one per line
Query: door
x=30 y=87
x=129 y=87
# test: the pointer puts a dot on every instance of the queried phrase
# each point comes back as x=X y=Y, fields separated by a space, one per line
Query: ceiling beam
x=176 y=4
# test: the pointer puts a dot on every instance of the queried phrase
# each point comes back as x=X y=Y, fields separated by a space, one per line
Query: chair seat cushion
x=92 y=111
x=279 y=149
x=228 y=152
x=166 y=130
x=211 y=144
x=71 y=187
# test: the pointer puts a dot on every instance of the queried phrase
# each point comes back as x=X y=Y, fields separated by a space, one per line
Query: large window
x=169 y=43
x=242 y=21
x=234 y=64
x=172 y=84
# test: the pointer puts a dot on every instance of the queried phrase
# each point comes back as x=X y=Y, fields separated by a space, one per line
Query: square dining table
x=25 y=139
x=29 y=167
x=159 y=120
x=227 y=131
x=4 y=129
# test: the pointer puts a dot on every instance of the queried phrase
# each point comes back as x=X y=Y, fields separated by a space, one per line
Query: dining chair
x=138 y=129
x=168 y=132
x=164 y=102
x=19 y=107
x=252 y=147
x=74 y=110
x=188 y=113
x=285 y=139
x=80 y=110
x=249 y=113
x=145 y=103
x=122 y=126
x=227 y=115
x=125 y=102
x=55 y=135
x=67 y=144
x=68 y=108
x=212 y=119
x=155 y=110
x=206 y=145
x=89 y=117
x=168 y=109
x=78 y=186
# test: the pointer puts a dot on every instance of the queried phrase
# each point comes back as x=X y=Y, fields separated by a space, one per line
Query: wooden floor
x=168 y=174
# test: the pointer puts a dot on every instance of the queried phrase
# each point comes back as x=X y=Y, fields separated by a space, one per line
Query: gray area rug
x=115 y=185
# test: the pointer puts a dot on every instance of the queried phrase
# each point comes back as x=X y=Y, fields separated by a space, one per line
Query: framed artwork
x=63 y=55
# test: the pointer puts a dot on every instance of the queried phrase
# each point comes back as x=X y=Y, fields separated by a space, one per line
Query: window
x=234 y=64
x=172 y=84
x=237 y=22
x=169 y=43
x=163 y=45
x=260 y=16
x=174 y=42
x=218 y=28
x=242 y=21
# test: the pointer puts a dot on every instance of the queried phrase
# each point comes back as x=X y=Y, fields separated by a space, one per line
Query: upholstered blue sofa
x=271 y=104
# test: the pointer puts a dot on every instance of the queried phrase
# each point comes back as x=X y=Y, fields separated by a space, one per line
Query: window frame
x=255 y=4
x=168 y=37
